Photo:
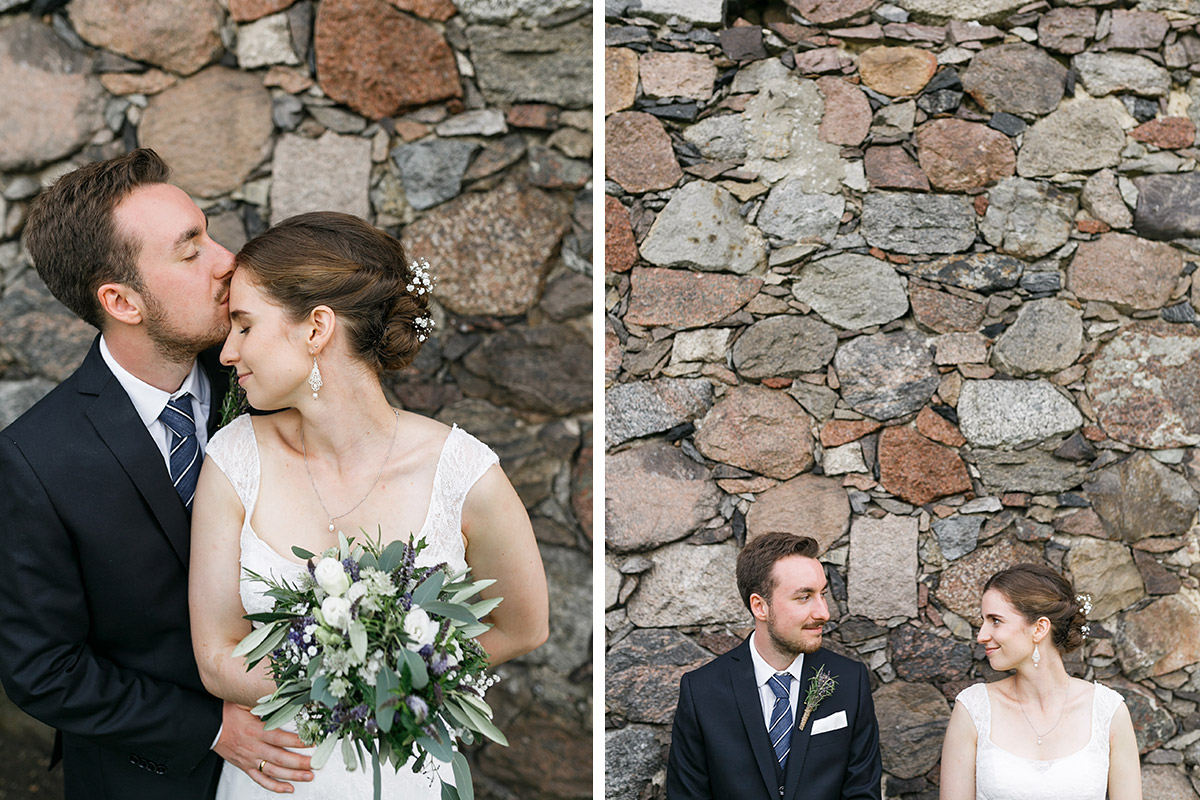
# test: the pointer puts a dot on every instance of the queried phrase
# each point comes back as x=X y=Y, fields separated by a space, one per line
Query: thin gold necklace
x=378 y=475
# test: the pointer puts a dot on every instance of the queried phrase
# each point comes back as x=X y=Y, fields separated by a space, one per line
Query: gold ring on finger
x=262 y=764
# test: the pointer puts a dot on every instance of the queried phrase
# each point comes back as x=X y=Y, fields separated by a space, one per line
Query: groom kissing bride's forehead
x=96 y=484
x=777 y=712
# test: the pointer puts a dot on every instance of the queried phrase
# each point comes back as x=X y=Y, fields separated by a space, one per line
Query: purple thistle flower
x=417 y=706
x=440 y=666
x=426 y=652
x=352 y=569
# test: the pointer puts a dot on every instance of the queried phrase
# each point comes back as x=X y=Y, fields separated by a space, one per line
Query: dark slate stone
x=1041 y=282
x=939 y=102
x=679 y=112
x=1153 y=725
x=946 y=79
x=859 y=629
x=287 y=111
x=1072 y=500
x=743 y=43
x=1180 y=312
x=1069 y=83
x=993 y=330
x=1168 y=206
x=976 y=272
x=432 y=170
x=1008 y=124
x=1076 y=448
x=626 y=34
x=1143 y=109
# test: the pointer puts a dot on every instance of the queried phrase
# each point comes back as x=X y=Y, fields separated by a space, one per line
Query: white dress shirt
x=763 y=672
x=149 y=401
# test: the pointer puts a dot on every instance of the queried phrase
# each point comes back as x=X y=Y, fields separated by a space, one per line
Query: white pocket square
x=831 y=723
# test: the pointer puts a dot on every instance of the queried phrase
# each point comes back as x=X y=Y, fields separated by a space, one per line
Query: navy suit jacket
x=720 y=749
x=94 y=629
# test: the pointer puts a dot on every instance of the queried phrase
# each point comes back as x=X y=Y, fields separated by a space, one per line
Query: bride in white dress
x=1038 y=734
x=327 y=293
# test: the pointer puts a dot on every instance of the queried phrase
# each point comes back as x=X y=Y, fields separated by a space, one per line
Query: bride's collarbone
x=1064 y=729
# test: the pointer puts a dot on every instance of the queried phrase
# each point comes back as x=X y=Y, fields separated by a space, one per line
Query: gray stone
x=784 y=347
x=1046 y=337
x=266 y=41
x=1033 y=470
x=654 y=495
x=17 y=397
x=432 y=170
x=612 y=585
x=1139 y=498
x=1109 y=73
x=816 y=400
x=1160 y=638
x=642 y=674
x=1106 y=571
x=957 y=535
x=918 y=223
x=782 y=138
x=632 y=757
x=887 y=375
x=1027 y=218
x=332 y=173
x=912 y=723
x=852 y=291
x=1081 y=136
x=689 y=585
x=792 y=214
x=706 y=344
x=709 y=13
x=181 y=36
x=539 y=368
x=758 y=429
x=988 y=80
x=502 y=11
x=481 y=122
x=1161 y=408
x=883 y=567
x=40 y=332
x=702 y=228
x=753 y=76
x=534 y=66
x=641 y=408
x=958 y=9
x=52 y=102
x=568 y=579
x=977 y=272
x=1168 y=206
x=1102 y=199
x=1006 y=414
x=720 y=138
x=337 y=120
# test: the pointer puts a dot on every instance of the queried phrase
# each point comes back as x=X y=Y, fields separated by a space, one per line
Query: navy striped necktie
x=184 y=453
x=780 y=729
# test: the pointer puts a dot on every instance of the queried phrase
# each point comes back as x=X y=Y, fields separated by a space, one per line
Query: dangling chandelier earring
x=314 y=379
x=1037 y=657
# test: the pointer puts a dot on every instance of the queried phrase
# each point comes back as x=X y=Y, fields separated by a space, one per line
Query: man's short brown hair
x=756 y=562
x=71 y=233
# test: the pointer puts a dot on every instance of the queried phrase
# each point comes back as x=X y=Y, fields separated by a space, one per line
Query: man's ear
x=758 y=606
x=322 y=322
x=121 y=303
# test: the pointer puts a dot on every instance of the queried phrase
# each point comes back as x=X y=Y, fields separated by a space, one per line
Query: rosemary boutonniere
x=234 y=403
x=820 y=686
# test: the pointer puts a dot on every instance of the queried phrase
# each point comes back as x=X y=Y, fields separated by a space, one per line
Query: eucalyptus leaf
x=462 y=777
x=391 y=557
x=358 y=639
x=324 y=750
x=283 y=716
x=484 y=607
x=386 y=682
x=320 y=692
x=439 y=750
x=278 y=634
x=475 y=629
x=429 y=588
x=448 y=791
x=348 y=756
x=417 y=672
x=484 y=725
x=453 y=611
x=302 y=553
x=253 y=639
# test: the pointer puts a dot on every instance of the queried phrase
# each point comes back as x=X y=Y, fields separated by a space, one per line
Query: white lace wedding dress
x=463 y=461
x=1000 y=775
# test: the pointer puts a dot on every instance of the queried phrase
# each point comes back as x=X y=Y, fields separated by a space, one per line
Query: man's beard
x=172 y=344
x=792 y=646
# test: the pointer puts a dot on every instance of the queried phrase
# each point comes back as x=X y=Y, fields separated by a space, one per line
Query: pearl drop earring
x=314 y=379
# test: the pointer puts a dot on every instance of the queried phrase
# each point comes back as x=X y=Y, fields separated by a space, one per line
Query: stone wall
x=465 y=128
x=915 y=279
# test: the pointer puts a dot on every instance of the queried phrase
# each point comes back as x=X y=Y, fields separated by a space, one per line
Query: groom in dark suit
x=95 y=496
x=740 y=731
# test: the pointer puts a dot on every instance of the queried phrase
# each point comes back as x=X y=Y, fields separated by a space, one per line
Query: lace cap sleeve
x=235 y=452
x=975 y=700
x=1106 y=704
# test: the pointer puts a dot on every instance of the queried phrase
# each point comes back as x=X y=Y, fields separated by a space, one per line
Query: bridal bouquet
x=379 y=654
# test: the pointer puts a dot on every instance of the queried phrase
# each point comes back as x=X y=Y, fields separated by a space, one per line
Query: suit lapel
x=800 y=738
x=117 y=424
x=745 y=691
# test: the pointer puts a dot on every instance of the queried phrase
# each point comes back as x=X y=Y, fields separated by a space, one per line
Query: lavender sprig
x=820 y=686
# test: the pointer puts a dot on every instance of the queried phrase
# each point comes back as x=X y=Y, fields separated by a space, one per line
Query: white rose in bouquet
x=336 y=611
x=331 y=576
x=420 y=627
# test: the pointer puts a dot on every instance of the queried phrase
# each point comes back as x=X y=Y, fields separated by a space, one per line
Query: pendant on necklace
x=331 y=531
x=1039 y=740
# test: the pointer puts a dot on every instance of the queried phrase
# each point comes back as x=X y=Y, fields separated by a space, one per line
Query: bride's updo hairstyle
x=362 y=273
x=1037 y=591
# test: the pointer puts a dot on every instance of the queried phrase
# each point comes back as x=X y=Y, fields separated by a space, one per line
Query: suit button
x=133 y=760
x=160 y=770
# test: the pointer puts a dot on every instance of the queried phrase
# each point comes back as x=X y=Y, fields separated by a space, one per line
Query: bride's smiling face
x=268 y=350
x=1005 y=634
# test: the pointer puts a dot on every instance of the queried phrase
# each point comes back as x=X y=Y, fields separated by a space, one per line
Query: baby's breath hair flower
x=1084 y=601
x=421 y=282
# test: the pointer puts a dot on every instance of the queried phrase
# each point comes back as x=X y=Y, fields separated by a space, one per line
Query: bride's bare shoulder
x=423 y=432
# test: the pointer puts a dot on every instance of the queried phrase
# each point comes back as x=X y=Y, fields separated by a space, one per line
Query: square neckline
x=248 y=527
x=1084 y=749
